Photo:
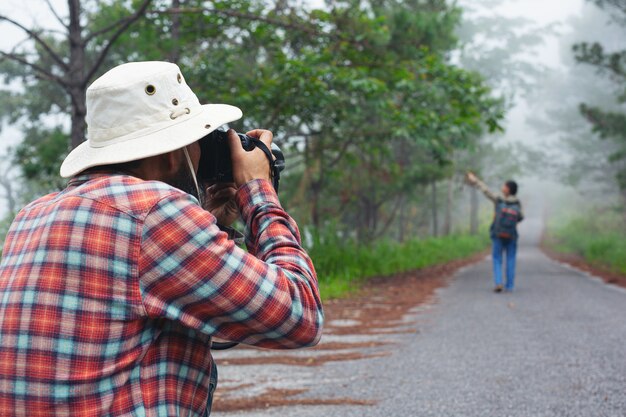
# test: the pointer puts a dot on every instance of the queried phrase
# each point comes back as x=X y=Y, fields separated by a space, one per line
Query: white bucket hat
x=142 y=109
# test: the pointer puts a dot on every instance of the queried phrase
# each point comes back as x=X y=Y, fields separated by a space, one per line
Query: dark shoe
x=498 y=288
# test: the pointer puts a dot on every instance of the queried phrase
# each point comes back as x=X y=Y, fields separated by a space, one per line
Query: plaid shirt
x=111 y=290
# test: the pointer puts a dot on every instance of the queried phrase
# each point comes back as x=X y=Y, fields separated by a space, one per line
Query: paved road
x=554 y=347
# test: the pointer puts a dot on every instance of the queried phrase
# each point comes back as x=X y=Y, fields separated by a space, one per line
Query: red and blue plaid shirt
x=111 y=290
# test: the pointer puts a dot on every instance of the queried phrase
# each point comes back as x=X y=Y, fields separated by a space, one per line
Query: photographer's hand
x=248 y=166
x=220 y=202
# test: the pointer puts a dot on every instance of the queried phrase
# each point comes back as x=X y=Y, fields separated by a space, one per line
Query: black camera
x=215 y=163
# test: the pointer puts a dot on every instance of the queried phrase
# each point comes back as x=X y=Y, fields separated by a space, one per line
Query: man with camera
x=113 y=288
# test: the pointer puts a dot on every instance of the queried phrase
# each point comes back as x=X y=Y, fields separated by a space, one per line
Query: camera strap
x=193 y=175
x=273 y=169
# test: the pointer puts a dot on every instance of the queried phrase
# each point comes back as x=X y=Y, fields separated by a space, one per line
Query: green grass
x=599 y=237
x=343 y=267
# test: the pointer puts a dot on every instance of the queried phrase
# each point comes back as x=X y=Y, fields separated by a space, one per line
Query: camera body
x=215 y=161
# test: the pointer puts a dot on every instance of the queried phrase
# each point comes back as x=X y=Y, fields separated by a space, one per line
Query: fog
x=562 y=166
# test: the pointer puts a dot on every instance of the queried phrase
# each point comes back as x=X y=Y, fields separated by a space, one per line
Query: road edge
x=581 y=264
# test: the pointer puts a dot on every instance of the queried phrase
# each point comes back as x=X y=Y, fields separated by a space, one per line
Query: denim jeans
x=510 y=246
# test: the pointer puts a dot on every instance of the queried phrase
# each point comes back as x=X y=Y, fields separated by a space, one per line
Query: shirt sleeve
x=488 y=193
x=189 y=271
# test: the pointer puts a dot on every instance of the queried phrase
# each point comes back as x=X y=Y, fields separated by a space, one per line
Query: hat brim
x=167 y=139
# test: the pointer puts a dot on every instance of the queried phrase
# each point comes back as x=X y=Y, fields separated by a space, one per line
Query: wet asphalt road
x=554 y=347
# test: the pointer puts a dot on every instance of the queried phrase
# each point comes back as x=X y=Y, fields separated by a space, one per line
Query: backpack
x=507 y=217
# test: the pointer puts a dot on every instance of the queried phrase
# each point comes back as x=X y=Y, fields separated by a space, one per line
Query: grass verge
x=342 y=267
x=598 y=239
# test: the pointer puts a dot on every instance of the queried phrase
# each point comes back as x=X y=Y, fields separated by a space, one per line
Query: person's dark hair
x=512 y=186
x=121 y=167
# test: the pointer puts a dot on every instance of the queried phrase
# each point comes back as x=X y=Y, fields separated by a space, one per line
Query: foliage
x=39 y=155
x=598 y=236
x=610 y=62
x=370 y=104
x=501 y=48
x=573 y=152
x=361 y=94
x=343 y=265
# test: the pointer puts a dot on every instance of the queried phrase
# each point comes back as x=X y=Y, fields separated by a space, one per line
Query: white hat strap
x=193 y=174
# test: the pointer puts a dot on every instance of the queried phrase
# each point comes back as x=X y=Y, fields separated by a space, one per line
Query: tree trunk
x=7 y=184
x=402 y=221
x=76 y=74
x=11 y=201
x=447 y=224
x=624 y=208
x=435 y=220
x=174 y=54
x=315 y=203
x=473 y=211
x=314 y=150
x=374 y=213
x=79 y=111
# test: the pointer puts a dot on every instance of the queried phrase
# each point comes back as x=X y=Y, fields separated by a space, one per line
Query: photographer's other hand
x=220 y=202
x=248 y=166
x=471 y=177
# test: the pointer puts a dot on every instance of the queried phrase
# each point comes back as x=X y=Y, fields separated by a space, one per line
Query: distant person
x=503 y=230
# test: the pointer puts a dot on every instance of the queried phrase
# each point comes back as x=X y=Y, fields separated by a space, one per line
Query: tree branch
x=121 y=29
x=55 y=14
x=40 y=72
x=391 y=217
x=300 y=26
x=109 y=27
x=247 y=16
x=38 y=40
x=340 y=154
x=617 y=4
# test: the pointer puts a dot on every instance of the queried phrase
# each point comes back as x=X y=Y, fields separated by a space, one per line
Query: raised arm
x=191 y=273
x=473 y=180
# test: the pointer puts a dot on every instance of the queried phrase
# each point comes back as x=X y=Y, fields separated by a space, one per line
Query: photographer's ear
x=157 y=167
x=172 y=161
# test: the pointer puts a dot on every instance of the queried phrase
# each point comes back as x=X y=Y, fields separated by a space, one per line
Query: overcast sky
x=542 y=11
